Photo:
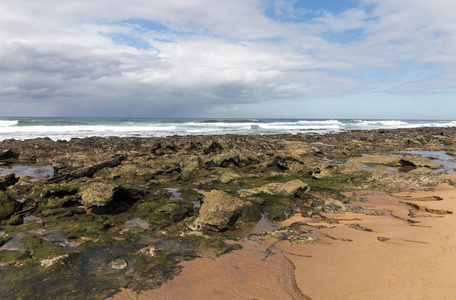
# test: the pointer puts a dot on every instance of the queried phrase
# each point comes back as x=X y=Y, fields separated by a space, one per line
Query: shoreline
x=132 y=196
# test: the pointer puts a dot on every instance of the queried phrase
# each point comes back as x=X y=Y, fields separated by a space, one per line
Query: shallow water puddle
x=440 y=157
x=176 y=195
x=53 y=235
x=367 y=167
x=35 y=172
x=15 y=244
x=32 y=219
x=264 y=224
x=136 y=222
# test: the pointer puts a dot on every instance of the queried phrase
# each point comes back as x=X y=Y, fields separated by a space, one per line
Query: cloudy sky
x=236 y=58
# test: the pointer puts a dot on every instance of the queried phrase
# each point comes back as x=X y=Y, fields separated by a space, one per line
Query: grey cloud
x=58 y=56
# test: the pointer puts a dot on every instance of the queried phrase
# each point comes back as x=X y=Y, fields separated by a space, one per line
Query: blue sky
x=205 y=58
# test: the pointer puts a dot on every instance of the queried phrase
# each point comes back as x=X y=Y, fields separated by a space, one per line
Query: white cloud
x=66 y=56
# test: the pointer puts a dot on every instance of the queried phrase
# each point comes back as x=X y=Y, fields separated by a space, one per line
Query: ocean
x=68 y=128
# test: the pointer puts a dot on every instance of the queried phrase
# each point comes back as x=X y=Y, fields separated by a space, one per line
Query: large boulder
x=284 y=189
x=8 y=180
x=221 y=211
x=99 y=194
x=8 y=206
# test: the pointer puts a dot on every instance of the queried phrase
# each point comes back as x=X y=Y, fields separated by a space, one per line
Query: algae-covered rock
x=8 y=180
x=171 y=212
x=99 y=194
x=8 y=206
x=284 y=189
x=220 y=211
x=15 y=220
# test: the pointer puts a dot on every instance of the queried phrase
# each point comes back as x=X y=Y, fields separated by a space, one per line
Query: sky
x=385 y=59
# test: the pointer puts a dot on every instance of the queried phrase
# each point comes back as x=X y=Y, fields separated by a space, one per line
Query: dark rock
x=419 y=161
x=8 y=154
x=382 y=238
x=89 y=171
x=8 y=180
x=213 y=148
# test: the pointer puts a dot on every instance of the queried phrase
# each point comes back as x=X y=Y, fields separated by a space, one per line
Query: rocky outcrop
x=284 y=189
x=8 y=180
x=419 y=161
x=89 y=171
x=221 y=211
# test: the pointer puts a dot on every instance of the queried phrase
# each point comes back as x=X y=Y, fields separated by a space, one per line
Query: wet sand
x=254 y=272
x=417 y=262
x=408 y=253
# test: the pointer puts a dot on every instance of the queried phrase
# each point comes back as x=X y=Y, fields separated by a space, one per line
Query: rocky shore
x=95 y=216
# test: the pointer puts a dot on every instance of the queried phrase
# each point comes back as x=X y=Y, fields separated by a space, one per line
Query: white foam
x=8 y=123
x=148 y=128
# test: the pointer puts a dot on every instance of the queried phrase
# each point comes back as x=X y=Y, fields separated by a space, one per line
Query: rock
x=323 y=171
x=333 y=206
x=292 y=234
x=223 y=160
x=150 y=251
x=227 y=177
x=54 y=261
x=15 y=220
x=284 y=189
x=118 y=264
x=8 y=180
x=376 y=159
x=221 y=211
x=19 y=190
x=382 y=238
x=171 y=212
x=90 y=170
x=189 y=165
x=8 y=154
x=99 y=194
x=351 y=168
x=25 y=178
x=8 y=206
x=419 y=161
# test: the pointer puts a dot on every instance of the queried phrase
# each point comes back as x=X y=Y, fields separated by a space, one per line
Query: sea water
x=67 y=128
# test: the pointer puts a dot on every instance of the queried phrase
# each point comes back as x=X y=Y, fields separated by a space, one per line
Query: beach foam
x=67 y=128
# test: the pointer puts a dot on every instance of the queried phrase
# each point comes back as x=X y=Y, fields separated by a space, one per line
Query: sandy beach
x=416 y=262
